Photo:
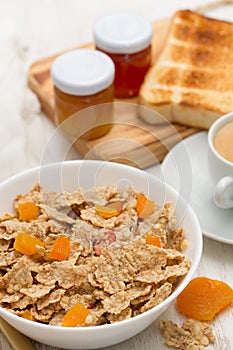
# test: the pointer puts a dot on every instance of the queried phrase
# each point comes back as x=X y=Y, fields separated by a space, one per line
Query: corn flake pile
x=192 y=335
x=90 y=257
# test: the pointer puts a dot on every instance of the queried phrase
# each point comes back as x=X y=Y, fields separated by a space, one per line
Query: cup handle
x=223 y=196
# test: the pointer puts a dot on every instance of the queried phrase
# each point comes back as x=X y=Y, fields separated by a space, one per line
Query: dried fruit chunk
x=60 y=249
x=118 y=205
x=75 y=316
x=203 y=298
x=26 y=244
x=144 y=206
x=154 y=240
x=27 y=211
x=27 y=315
x=106 y=212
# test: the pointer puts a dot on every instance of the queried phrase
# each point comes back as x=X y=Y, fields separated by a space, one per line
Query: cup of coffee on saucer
x=220 y=160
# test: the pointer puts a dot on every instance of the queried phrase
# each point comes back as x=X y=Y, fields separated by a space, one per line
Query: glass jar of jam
x=83 y=78
x=126 y=38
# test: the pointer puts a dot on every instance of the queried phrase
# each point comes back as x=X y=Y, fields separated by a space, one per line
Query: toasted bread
x=192 y=81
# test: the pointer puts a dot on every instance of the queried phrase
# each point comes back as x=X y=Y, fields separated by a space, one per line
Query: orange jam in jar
x=83 y=78
x=126 y=38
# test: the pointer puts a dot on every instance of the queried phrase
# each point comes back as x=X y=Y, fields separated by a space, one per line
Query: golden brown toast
x=192 y=81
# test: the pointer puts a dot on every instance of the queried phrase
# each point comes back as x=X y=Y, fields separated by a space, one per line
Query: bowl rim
x=164 y=303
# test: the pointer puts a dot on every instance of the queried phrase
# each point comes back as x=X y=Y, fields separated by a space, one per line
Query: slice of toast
x=192 y=81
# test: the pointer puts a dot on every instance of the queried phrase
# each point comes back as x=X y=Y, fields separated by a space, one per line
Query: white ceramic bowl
x=68 y=176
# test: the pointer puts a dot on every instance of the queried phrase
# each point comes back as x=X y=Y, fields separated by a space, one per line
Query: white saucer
x=185 y=169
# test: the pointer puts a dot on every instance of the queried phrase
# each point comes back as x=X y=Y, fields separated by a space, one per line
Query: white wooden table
x=33 y=29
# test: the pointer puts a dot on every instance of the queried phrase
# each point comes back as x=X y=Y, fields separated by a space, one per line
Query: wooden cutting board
x=131 y=141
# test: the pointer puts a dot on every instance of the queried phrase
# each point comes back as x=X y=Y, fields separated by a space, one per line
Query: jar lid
x=82 y=72
x=124 y=33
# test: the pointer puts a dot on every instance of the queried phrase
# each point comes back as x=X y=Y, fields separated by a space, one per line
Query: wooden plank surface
x=130 y=141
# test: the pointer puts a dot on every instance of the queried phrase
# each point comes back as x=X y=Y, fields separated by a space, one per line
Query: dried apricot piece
x=144 y=206
x=26 y=244
x=203 y=298
x=60 y=249
x=75 y=316
x=106 y=212
x=27 y=211
x=153 y=240
x=118 y=205
x=28 y=315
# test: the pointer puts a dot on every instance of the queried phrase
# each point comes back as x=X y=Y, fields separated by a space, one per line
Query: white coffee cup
x=221 y=169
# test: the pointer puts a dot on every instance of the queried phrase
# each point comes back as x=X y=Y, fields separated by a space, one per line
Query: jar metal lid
x=82 y=72
x=124 y=33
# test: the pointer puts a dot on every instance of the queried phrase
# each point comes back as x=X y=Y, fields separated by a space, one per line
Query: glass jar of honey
x=126 y=38
x=83 y=78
